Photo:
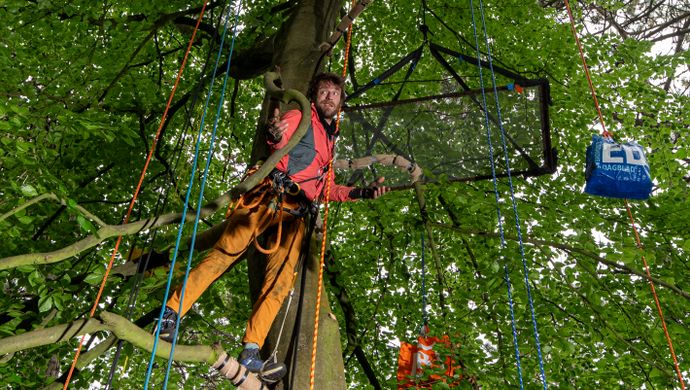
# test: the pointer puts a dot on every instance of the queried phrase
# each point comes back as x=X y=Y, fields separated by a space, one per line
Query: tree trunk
x=297 y=54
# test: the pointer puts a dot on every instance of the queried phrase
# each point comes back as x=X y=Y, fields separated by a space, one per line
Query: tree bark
x=297 y=55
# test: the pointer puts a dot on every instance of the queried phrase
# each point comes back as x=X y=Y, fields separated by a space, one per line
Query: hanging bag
x=617 y=170
x=414 y=359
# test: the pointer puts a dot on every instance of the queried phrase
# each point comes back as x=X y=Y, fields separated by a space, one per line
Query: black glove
x=362 y=193
x=273 y=133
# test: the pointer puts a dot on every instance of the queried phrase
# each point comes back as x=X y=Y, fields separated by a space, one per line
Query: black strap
x=227 y=357
x=244 y=378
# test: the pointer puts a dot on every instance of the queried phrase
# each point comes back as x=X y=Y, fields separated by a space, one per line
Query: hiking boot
x=168 y=324
x=268 y=371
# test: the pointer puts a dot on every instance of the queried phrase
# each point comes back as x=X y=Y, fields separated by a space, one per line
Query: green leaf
x=58 y=301
x=45 y=304
x=25 y=220
x=94 y=278
x=26 y=269
x=495 y=267
x=29 y=190
x=36 y=279
x=85 y=224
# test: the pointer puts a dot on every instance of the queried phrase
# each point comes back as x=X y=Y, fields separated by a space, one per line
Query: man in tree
x=277 y=206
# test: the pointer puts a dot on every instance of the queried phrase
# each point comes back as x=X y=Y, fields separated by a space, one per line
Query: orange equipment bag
x=414 y=358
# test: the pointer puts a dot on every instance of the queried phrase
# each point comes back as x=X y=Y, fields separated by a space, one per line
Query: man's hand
x=374 y=190
x=377 y=188
x=276 y=127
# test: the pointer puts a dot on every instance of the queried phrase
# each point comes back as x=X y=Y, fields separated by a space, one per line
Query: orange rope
x=656 y=298
x=136 y=192
x=605 y=133
x=317 y=311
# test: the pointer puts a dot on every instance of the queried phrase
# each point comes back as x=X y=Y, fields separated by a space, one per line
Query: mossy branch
x=107 y=231
x=125 y=330
x=118 y=325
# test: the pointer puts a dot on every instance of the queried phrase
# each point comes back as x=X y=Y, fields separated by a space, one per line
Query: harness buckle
x=293 y=188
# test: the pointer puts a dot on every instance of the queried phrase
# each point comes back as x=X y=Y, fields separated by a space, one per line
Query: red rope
x=136 y=192
x=317 y=311
x=605 y=133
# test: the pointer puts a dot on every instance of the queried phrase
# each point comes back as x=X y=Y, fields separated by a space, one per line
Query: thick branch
x=104 y=233
x=126 y=330
x=51 y=335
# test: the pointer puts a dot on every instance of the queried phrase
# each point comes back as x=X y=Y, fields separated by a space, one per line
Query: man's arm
x=340 y=193
x=280 y=129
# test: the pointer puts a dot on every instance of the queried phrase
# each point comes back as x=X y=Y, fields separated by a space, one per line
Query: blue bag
x=617 y=171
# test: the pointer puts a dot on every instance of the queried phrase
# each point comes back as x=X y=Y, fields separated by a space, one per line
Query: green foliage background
x=82 y=91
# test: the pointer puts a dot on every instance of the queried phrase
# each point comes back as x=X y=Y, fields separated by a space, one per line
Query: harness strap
x=278 y=234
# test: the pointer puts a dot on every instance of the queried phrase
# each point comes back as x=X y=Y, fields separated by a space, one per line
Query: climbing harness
x=606 y=134
x=138 y=188
x=283 y=196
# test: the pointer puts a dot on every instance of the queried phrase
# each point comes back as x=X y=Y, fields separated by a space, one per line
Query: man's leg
x=278 y=280
x=243 y=225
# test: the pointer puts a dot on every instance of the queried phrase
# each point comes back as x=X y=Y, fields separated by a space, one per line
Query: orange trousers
x=245 y=224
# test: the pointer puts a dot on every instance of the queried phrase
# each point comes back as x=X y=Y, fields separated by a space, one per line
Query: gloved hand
x=372 y=192
x=276 y=127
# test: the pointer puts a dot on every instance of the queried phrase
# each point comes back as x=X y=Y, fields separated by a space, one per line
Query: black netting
x=439 y=122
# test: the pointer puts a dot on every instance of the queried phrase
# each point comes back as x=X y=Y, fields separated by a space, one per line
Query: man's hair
x=329 y=78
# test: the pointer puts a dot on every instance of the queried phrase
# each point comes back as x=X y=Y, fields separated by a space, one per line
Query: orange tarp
x=413 y=359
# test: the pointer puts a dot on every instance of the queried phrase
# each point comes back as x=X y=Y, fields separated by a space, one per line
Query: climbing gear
x=617 y=170
x=282 y=183
x=168 y=325
x=499 y=121
x=414 y=359
x=269 y=371
x=238 y=374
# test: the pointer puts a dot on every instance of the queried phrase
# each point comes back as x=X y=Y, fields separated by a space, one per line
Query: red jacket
x=307 y=162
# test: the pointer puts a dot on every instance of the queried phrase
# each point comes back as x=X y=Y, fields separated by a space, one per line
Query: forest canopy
x=83 y=89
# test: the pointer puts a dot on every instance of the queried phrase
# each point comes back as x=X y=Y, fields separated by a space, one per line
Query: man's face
x=327 y=99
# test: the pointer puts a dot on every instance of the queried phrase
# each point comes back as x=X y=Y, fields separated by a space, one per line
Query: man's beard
x=326 y=112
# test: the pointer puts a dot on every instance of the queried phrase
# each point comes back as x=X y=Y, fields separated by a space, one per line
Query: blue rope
x=498 y=210
x=186 y=203
x=512 y=189
x=203 y=185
